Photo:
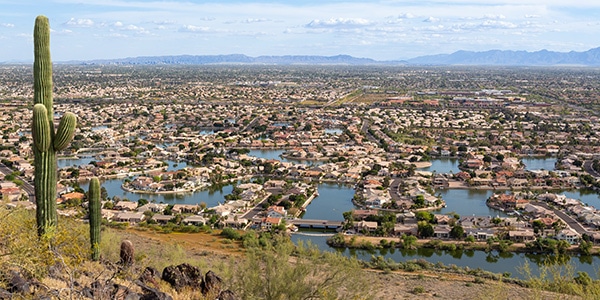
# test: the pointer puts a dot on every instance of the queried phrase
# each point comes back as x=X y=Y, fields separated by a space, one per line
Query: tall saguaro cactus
x=46 y=141
x=95 y=217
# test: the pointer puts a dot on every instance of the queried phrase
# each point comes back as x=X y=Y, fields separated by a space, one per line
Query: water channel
x=335 y=199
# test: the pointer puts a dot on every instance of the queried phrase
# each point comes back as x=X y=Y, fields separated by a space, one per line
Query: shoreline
x=374 y=243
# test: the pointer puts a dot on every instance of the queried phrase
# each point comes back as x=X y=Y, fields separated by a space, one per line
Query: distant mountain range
x=490 y=58
x=239 y=59
x=513 y=58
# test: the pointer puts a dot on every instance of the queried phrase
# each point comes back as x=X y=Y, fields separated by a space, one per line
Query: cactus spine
x=46 y=141
x=95 y=217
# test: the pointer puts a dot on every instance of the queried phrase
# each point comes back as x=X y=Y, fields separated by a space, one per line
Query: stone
x=152 y=293
x=211 y=284
x=182 y=276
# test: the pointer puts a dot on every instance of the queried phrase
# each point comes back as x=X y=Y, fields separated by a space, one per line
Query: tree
x=425 y=216
x=408 y=241
x=585 y=247
x=425 y=229
x=142 y=202
x=349 y=219
x=457 y=232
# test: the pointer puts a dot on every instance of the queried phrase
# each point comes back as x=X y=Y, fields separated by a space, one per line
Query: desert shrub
x=418 y=290
x=231 y=233
x=66 y=247
x=267 y=273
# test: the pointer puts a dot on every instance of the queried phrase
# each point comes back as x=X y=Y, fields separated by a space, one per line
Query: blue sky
x=379 y=29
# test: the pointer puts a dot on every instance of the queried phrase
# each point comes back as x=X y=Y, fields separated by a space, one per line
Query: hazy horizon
x=381 y=30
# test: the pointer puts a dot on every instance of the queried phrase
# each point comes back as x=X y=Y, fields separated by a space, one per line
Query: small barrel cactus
x=46 y=141
x=95 y=217
x=127 y=253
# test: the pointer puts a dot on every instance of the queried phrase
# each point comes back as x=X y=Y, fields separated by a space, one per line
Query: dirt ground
x=385 y=285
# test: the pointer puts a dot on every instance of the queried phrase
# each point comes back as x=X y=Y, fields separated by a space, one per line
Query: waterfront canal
x=335 y=199
x=493 y=261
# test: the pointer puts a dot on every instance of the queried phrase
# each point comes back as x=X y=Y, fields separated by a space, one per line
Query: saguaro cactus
x=46 y=141
x=95 y=217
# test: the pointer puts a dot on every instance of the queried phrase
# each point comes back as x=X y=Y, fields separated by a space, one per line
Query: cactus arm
x=65 y=131
x=42 y=65
x=41 y=128
x=95 y=217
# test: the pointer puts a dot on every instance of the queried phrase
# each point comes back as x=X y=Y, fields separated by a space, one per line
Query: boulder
x=226 y=295
x=211 y=284
x=152 y=293
x=150 y=275
x=182 y=276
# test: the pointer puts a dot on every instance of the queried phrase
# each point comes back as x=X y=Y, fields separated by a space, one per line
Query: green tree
x=408 y=241
x=457 y=232
x=425 y=229
x=348 y=219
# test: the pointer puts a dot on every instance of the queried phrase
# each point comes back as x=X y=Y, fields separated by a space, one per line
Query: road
x=27 y=187
x=587 y=166
x=258 y=208
x=365 y=131
x=563 y=216
x=395 y=189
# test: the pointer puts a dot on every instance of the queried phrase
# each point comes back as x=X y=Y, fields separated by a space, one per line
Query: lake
x=493 y=261
x=276 y=154
x=450 y=165
x=333 y=200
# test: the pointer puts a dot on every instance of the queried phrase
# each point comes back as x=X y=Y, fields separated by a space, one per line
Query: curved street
x=587 y=166
x=563 y=216
x=27 y=187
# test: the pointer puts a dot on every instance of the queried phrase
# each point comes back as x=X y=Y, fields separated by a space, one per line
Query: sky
x=378 y=29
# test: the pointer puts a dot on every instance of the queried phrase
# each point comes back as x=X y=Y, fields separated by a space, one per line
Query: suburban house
x=276 y=212
x=568 y=235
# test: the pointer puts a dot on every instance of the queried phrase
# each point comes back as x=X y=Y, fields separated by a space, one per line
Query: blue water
x=468 y=202
x=210 y=197
x=334 y=131
x=535 y=163
x=333 y=200
x=276 y=155
x=443 y=165
x=492 y=261
x=65 y=162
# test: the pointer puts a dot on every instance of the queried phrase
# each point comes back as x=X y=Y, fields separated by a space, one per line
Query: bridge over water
x=307 y=223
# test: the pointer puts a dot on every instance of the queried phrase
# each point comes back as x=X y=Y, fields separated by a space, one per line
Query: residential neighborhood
x=173 y=137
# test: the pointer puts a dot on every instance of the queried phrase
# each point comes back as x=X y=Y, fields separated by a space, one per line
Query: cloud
x=532 y=16
x=498 y=24
x=260 y=20
x=494 y=17
x=192 y=28
x=431 y=20
x=79 y=23
x=406 y=16
x=118 y=35
x=7 y=25
x=166 y=22
x=118 y=24
x=338 y=22
x=136 y=29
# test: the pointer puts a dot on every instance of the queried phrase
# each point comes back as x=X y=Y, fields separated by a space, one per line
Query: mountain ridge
x=589 y=58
